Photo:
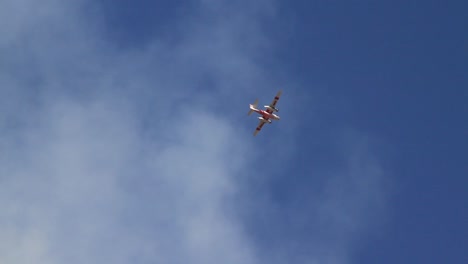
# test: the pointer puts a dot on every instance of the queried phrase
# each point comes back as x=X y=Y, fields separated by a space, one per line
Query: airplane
x=266 y=115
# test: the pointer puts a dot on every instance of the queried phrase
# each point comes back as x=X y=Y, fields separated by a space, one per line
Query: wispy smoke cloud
x=110 y=155
x=117 y=155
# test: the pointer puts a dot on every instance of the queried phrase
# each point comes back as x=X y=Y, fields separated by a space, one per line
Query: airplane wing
x=259 y=127
x=273 y=104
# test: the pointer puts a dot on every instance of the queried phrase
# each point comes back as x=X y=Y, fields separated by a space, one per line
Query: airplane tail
x=253 y=106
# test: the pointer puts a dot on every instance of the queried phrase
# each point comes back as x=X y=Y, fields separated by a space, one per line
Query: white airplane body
x=266 y=115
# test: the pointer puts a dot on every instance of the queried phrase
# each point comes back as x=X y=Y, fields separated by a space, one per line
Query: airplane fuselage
x=266 y=115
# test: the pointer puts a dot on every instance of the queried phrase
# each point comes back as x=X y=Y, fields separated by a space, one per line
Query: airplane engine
x=265 y=120
x=271 y=108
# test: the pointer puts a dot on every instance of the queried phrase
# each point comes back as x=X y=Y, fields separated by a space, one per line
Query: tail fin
x=252 y=106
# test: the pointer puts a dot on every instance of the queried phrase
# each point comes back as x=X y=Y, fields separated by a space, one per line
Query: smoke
x=122 y=154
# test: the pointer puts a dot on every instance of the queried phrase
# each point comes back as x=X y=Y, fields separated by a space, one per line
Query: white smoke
x=120 y=155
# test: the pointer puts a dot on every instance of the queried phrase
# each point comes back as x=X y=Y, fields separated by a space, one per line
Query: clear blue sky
x=401 y=67
x=125 y=138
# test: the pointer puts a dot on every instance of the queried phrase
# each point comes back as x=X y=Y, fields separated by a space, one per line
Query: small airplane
x=266 y=115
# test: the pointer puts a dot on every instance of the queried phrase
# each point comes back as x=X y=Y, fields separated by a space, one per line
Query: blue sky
x=124 y=133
